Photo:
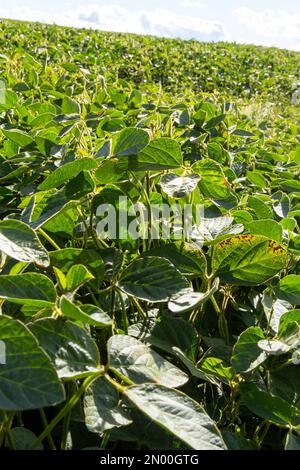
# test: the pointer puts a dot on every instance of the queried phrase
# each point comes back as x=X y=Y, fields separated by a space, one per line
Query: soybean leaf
x=102 y=407
x=129 y=141
x=188 y=300
x=267 y=227
x=27 y=379
x=247 y=355
x=77 y=275
x=289 y=289
x=161 y=154
x=178 y=414
x=32 y=289
x=24 y=439
x=269 y=407
x=292 y=442
x=91 y=315
x=21 y=138
x=71 y=349
x=20 y=242
x=248 y=260
x=135 y=360
x=178 y=186
x=152 y=278
x=66 y=172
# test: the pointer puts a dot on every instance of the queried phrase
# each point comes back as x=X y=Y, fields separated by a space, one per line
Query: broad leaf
x=95 y=315
x=71 y=349
x=188 y=300
x=248 y=260
x=178 y=414
x=129 y=141
x=20 y=242
x=21 y=138
x=152 y=278
x=161 y=154
x=270 y=407
x=77 y=275
x=289 y=289
x=178 y=186
x=247 y=355
x=28 y=289
x=66 y=172
x=102 y=407
x=27 y=379
x=135 y=360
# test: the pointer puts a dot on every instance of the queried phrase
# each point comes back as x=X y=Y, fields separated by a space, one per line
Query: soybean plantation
x=114 y=341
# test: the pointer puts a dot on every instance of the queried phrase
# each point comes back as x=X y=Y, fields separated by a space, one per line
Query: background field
x=148 y=344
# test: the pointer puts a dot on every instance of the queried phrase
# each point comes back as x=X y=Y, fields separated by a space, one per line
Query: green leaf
x=288 y=317
x=165 y=333
x=188 y=300
x=129 y=141
x=267 y=227
x=194 y=370
x=213 y=183
x=66 y=172
x=20 y=242
x=292 y=442
x=28 y=289
x=95 y=315
x=27 y=379
x=188 y=259
x=161 y=154
x=269 y=407
x=178 y=186
x=177 y=414
x=273 y=347
x=65 y=258
x=102 y=407
x=248 y=260
x=247 y=355
x=152 y=278
x=136 y=361
x=291 y=186
x=289 y=289
x=236 y=441
x=77 y=275
x=216 y=229
x=24 y=439
x=70 y=106
x=215 y=367
x=71 y=349
x=260 y=209
x=18 y=137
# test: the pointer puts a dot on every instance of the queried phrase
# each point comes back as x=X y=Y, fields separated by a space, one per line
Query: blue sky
x=266 y=22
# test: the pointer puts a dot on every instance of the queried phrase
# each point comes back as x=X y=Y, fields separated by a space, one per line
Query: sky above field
x=266 y=22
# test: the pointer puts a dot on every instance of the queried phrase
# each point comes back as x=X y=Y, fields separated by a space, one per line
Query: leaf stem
x=67 y=408
x=49 y=239
x=45 y=424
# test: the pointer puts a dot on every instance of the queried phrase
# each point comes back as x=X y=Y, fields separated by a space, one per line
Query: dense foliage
x=124 y=343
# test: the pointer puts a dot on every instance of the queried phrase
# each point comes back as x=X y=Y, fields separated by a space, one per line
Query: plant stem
x=49 y=239
x=105 y=439
x=67 y=408
x=124 y=313
x=222 y=322
x=45 y=424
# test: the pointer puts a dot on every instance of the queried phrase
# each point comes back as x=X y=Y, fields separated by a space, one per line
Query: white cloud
x=113 y=17
x=193 y=4
x=272 y=27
